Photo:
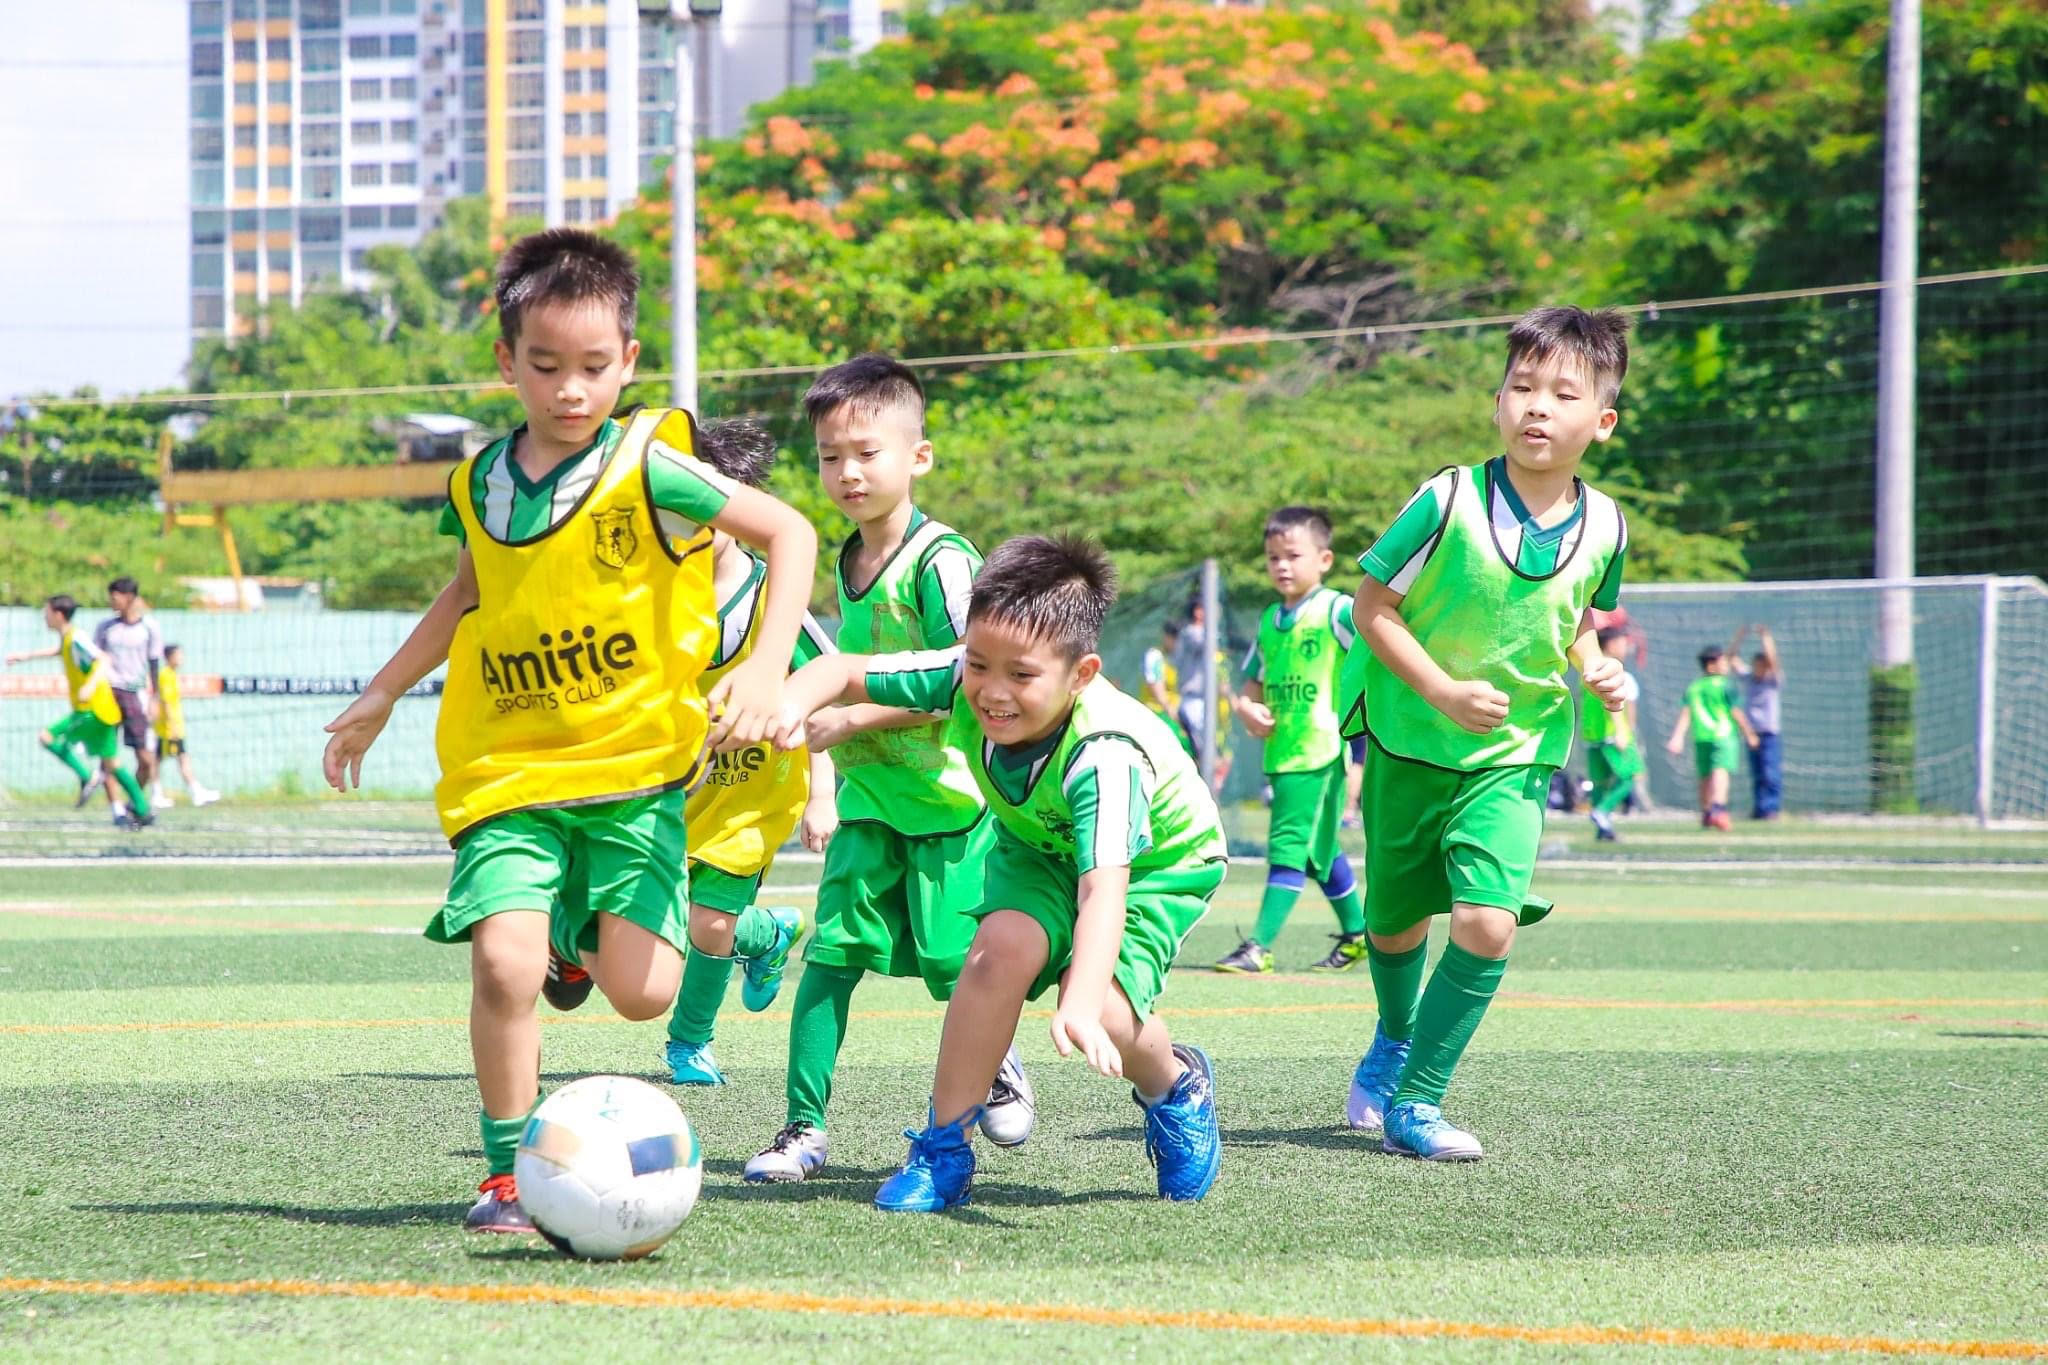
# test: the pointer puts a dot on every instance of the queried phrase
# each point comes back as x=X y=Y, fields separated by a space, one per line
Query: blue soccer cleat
x=938 y=1173
x=1421 y=1131
x=1182 y=1138
x=763 y=975
x=692 y=1063
x=1372 y=1085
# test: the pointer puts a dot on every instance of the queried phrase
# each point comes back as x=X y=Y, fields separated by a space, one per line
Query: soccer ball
x=608 y=1168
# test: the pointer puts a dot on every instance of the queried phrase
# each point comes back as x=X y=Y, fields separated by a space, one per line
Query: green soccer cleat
x=1349 y=952
x=763 y=975
x=1247 y=959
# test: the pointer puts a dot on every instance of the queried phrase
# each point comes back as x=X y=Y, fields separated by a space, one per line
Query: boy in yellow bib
x=94 y=723
x=745 y=804
x=578 y=621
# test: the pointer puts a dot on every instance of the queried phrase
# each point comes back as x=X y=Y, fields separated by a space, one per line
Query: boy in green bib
x=1713 y=712
x=1289 y=700
x=1613 y=759
x=903 y=872
x=1107 y=849
x=1474 y=601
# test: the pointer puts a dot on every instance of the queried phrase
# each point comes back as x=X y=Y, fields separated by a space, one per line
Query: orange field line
x=1084 y=1315
x=1527 y=1002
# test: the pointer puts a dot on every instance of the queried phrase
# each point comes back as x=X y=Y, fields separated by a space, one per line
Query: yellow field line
x=1081 y=1315
x=1511 y=1002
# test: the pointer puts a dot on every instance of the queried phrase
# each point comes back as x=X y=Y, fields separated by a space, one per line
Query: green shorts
x=83 y=728
x=716 y=890
x=1708 y=755
x=1435 y=838
x=1308 y=809
x=1607 y=763
x=621 y=858
x=1159 y=910
x=900 y=904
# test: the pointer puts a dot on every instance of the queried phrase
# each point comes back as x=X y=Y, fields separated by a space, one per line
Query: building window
x=473 y=49
x=525 y=47
x=365 y=133
x=245 y=262
x=206 y=100
x=404 y=130
x=321 y=97
x=472 y=178
x=245 y=49
x=365 y=46
x=362 y=88
x=245 y=135
x=526 y=176
x=208 y=144
x=209 y=310
x=209 y=185
x=596 y=32
x=206 y=16
x=320 y=54
x=277 y=49
x=572 y=81
x=593 y=80
x=572 y=168
x=245 y=9
x=281 y=177
x=281 y=92
x=277 y=9
x=405 y=215
x=281 y=134
x=596 y=117
x=406 y=7
x=320 y=183
x=366 y=173
x=657 y=85
x=245 y=92
x=206 y=59
x=320 y=227
x=248 y=220
x=572 y=210
x=572 y=39
x=323 y=139
x=404 y=88
x=362 y=216
x=321 y=15
x=523 y=132
x=277 y=220
x=359 y=259
x=524 y=208
x=245 y=177
x=404 y=44
x=528 y=10
x=209 y=228
x=359 y=9
x=321 y=267
x=598 y=210
x=572 y=125
x=405 y=172
x=523 y=90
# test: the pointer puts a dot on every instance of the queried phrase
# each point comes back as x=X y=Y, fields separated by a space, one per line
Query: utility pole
x=1897 y=332
x=694 y=27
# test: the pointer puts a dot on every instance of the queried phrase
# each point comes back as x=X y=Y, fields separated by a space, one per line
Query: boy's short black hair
x=565 y=265
x=1711 y=654
x=1056 y=588
x=1313 y=519
x=1598 y=341
x=738 y=448
x=1607 y=635
x=869 y=383
x=64 y=604
x=1171 y=627
x=169 y=650
x=123 y=584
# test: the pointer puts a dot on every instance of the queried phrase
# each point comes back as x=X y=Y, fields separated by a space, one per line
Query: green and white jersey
x=911 y=780
x=1492 y=598
x=684 y=492
x=1296 y=658
x=736 y=620
x=1112 y=787
x=1712 y=698
x=1598 y=725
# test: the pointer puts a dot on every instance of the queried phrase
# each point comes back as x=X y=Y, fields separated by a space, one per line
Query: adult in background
x=134 y=647
x=1762 y=677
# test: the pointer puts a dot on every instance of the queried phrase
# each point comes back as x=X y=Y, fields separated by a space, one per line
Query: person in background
x=1712 y=712
x=170 y=729
x=1161 y=678
x=134 y=648
x=1763 y=676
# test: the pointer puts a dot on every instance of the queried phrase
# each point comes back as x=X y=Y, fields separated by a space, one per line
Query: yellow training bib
x=103 y=706
x=747 y=801
x=168 y=691
x=575 y=678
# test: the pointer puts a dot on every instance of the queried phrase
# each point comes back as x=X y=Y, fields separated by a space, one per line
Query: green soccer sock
x=817 y=1026
x=1283 y=889
x=704 y=980
x=137 y=802
x=753 y=932
x=1456 y=999
x=1341 y=887
x=68 y=756
x=1397 y=981
x=501 y=1140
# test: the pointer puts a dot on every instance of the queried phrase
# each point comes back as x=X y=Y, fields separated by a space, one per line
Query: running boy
x=170 y=730
x=95 y=720
x=1473 y=603
x=579 y=618
x=1289 y=700
x=1613 y=760
x=902 y=874
x=745 y=804
x=1712 y=711
x=1107 y=850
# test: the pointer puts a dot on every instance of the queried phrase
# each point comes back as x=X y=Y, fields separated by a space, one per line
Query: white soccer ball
x=608 y=1168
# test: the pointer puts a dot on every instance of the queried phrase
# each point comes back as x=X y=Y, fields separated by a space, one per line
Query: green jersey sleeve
x=1342 y=625
x=1155 y=665
x=918 y=680
x=1607 y=596
x=450 y=524
x=687 y=492
x=1404 y=547
x=1254 y=665
x=944 y=583
x=1109 y=790
x=811 y=641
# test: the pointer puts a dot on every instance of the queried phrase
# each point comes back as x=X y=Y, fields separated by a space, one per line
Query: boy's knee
x=1483 y=930
x=1008 y=943
x=504 y=978
x=641 y=1003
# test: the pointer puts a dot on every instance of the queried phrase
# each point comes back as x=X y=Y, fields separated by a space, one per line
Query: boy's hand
x=1675 y=747
x=1605 y=676
x=746 y=705
x=354 y=731
x=85 y=694
x=821 y=820
x=1478 y=707
x=1073 y=1028
x=1257 y=717
x=828 y=728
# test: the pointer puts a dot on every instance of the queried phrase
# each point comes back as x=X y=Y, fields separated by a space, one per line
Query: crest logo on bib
x=1312 y=647
x=616 y=542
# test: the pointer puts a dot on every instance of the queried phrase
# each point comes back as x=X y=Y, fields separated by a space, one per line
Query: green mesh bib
x=1299 y=665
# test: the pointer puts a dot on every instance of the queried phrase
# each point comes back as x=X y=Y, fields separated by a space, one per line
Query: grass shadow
x=1993 y=1033
x=1332 y=1137
x=395 y=1215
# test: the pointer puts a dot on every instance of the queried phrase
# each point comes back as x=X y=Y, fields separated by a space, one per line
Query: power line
x=1651 y=309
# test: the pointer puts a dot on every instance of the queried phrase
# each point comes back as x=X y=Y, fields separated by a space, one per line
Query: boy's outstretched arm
x=1676 y=744
x=821 y=810
x=824 y=681
x=1770 y=648
x=746 y=702
x=828 y=728
x=1604 y=675
x=355 y=729
x=1477 y=706
x=26 y=655
x=1098 y=934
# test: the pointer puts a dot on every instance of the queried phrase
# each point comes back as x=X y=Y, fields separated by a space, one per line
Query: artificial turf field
x=1780 y=1094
